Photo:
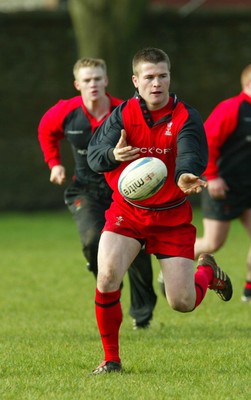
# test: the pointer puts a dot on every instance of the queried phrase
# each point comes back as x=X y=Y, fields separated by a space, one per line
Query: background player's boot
x=246 y=296
x=107 y=367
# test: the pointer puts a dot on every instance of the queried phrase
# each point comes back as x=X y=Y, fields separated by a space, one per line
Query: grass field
x=50 y=343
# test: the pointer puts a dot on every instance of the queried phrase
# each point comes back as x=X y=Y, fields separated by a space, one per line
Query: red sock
x=248 y=285
x=202 y=278
x=109 y=318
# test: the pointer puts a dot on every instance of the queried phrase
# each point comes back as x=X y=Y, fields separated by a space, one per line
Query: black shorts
x=87 y=204
x=226 y=209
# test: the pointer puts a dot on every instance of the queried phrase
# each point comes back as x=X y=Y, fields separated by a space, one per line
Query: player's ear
x=135 y=81
x=76 y=85
x=106 y=81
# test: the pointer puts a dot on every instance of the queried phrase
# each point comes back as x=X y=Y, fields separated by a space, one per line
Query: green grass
x=50 y=343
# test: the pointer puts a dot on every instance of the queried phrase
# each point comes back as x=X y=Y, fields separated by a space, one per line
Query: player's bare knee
x=211 y=246
x=107 y=281
x=181 y=305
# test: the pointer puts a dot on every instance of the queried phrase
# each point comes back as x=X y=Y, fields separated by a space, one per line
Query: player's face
x=91 y=82
x=153 y=82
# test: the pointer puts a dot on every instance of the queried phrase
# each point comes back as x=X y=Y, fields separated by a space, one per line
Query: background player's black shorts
x=227 y=209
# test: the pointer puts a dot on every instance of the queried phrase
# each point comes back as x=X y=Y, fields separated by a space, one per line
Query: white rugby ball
x=142 y=178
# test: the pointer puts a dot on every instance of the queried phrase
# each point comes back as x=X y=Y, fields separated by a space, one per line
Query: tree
x=108 y=29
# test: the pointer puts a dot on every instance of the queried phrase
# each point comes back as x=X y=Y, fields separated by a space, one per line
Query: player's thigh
x=178 y=274
x=116 y=252
x=215 y=231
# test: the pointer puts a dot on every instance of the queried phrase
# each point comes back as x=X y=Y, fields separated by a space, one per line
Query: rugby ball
x=142 y=178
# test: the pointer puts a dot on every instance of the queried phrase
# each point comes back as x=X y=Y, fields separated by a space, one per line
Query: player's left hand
x=190 y=183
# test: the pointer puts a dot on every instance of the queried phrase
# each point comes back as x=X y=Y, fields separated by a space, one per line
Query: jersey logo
x=74 y=132
x=168 y=129
x=119 y=220
x=154 y=150
x=83 y=152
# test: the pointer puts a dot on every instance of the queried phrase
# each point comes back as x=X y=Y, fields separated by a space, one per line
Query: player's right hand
x=58 y=175
x=123 y=152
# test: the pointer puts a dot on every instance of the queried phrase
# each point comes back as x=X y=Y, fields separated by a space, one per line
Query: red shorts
x=167 y=232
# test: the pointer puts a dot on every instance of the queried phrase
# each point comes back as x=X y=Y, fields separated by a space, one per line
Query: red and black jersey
x=70 y=119
x=228 y=130
x=174 y=134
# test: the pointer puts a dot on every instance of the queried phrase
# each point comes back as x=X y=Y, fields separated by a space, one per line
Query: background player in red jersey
x=154 y=123
x=88 y=196
x=228 y=194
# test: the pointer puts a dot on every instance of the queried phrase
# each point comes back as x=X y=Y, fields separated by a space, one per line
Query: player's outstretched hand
x=123 y=152
x=190 y=183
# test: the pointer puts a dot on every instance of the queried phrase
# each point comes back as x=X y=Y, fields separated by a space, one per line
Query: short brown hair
x=89 y=62
x=152 y=55
x=246 y=75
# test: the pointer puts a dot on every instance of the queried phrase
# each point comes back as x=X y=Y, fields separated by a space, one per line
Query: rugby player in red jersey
x=228 y=194
x=153 y=123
